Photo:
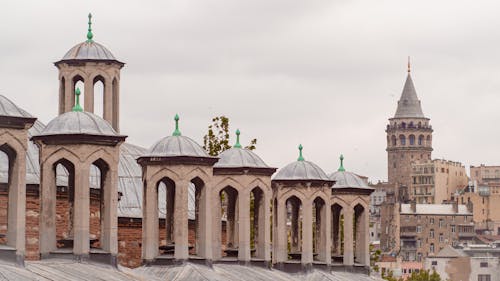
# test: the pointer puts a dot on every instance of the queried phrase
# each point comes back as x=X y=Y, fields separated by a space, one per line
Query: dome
x=238 y=157
x=177 y=146
x=301 y=170
x=78 y=122
x=89 y=50
x=345 y=179
x=8 y=108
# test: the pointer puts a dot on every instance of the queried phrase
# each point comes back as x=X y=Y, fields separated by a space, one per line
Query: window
x=431 y=248
x=483 y=264
x=441 y=222
x=412 y=140
x=431 y=220
x=431 y=233
x=441 y=238
x=402 y=140
x=484 y=277
x=434 y=263
x=419 y=228
x=453 y=228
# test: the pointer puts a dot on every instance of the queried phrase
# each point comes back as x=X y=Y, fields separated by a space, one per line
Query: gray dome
x=8 y=108
x=344 y=179
x=239 y=157
x=89 y=51
x=177 y=146
x=75 y=122
x=301 y=170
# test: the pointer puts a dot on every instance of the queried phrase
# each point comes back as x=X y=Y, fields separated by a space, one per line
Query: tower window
x=402 y=140
x=412 y=140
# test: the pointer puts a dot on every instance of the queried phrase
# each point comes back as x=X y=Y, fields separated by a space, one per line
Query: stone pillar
x=244 y=226
x=265 y=227
x=348 y=237
x=62 y=95
x=150 y=232
x=17 y=204
x=307 y=233
x=109 y=235
x=280 y=234
x=69 y=91
x=47 y=208
x=88 y=96
x=81 y=217
x=323 y=228
x=116 y=104
x=217 y=226
x=204 y=249
x=181 y=220
x=362 y=239
x=108 y=102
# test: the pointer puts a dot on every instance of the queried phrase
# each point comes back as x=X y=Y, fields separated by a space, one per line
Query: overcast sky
x=326 y=74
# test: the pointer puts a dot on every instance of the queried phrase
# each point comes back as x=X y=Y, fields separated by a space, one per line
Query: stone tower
x=409 y=136
x=90 y=63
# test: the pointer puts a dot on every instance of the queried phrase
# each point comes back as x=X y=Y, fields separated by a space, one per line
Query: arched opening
x=64 y=172
x=394 y=140
x=257 y=223
x=337 y=234
x=360 y=234
x=421 y=140
x=97 y=180
x=412 y=139
x=62 y=94
x=319 y=229
x=78 y=82
x=410 y=125
x=197 y=188
x=294 y=227
x=428 y=142
x=402 y=140
x=166 y=210
x=98 y=100
x=229 y=208
x=7 y=158
x=403 y=125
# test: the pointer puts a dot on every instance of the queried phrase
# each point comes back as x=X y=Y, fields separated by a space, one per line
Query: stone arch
x=166 y=198
x=337 y=209
x=100 y=153
x=421 y=140
x=228 y=204
x=12 y=141
x=62 y=153
x=340 y=201
x=225 y=182
x=164 y=172
x=98 y=207
x=320 y=215
x=359 y=201
x=295 y=211
x=411 y=139
x=361 y=241
x=258 y=217
x=293 y=192
x=64 y=219
x=402 y=140
x=201 y=208
x=394 y=140
x=198 y=172
x=321 y=194
x=9 y=215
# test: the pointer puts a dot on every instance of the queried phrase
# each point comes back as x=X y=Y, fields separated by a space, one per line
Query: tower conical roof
x=409 y=104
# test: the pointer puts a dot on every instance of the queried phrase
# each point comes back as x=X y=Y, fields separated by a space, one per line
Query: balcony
x=408 y=231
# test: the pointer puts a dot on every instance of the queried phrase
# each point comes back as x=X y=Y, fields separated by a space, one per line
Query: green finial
x=77 y=106
x=89 y=33
x=237 y=144
x=176 y=132
x=301 y=158
x=341 y=168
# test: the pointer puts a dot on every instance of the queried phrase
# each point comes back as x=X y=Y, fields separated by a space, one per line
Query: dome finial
x=89 y=33
x=301 y=158
x=176 y=132
x=77 y=107
x=341 y=168
x=409 y=65
x=237 y=144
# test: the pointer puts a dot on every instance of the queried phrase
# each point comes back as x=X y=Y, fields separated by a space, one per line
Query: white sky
x=326 y=74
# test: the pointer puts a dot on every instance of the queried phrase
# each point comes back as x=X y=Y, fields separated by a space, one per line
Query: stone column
x=69 y=92
x=181 y=220
x=150 y=232
x=116 y=104
x=47 y=208
x=204 y=249
x=108 y=102
x=109 y=235
x=280 y=235
x=17 y=204
x=244 y=226
x=326 y=234
x=307 y=233
x=363 y=241
x=81 y=242
x=88 y=96
x=265 y=227
x=348 y=237
x=62 y=95
x=216 y=226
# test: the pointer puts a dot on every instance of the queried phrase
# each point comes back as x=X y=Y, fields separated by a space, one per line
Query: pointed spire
x=409 y=105
x=341 y=168
x=176 y=132
x=237 y=144
x=77 y=107
x=301 y=158
x=89 y=33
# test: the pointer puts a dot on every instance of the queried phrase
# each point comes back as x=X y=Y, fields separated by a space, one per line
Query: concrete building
x=435 y=181
x=377 y=198
x=471 y=262
x=409 y=136
x=485 y=205
x=416 y=231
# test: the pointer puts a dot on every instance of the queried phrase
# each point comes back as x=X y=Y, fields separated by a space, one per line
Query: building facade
x=409 y=136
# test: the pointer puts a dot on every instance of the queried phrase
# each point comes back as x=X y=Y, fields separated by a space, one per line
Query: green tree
x=217 y=138
x=424 y=275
